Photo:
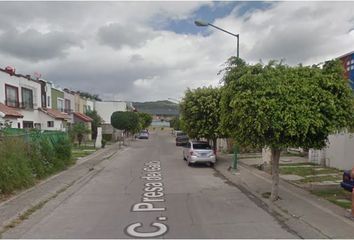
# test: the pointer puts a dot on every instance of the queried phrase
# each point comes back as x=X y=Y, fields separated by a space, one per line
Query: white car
x=198 y=152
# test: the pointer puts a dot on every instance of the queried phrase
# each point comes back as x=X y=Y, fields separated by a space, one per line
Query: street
x=147 y=190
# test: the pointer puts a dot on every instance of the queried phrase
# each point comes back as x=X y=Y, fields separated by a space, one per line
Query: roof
x=83 y=117
x=9 y=112
x=347 y=54
x=55 y=113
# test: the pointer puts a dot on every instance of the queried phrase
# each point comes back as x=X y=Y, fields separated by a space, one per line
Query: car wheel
x=211 y=164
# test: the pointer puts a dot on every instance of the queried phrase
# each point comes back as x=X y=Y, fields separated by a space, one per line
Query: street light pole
x=200 y=23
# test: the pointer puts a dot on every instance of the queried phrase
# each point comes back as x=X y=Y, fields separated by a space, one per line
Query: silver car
x=198 y=152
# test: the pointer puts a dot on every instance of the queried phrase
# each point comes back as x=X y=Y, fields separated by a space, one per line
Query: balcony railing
x=27 y=105
x=12 y=103
x=68 y=111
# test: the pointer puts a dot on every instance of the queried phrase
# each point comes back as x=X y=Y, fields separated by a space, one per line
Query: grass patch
x=320 y=179
x=306 y=169
x=266 y=195
x=77 y=155
x=300 y=171
x=82 y=151
x=339 y=197
x=298 y=164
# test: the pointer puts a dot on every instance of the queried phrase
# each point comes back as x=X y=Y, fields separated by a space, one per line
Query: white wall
x=340 y=151
x=105 y=109
x=49 y=94
x=19 y=82
x=12 y=121
x=90 y=104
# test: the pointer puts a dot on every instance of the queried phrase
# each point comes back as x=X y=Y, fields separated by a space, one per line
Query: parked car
x=348 y=181
x=181 y=140
x=199 y=151
x=179 y=133
x=143 y=135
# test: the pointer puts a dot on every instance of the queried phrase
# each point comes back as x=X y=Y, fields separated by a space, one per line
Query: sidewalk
x=307 y=215
x=14 y=207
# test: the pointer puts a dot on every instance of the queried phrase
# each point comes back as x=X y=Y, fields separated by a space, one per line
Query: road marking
x=162 y=218
x=152 y=196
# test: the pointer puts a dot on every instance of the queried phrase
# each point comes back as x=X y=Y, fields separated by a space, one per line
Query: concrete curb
x=58 y=184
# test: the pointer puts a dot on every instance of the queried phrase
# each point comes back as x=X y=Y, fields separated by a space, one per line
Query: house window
x=60 y=104
x=27 y=98
x=48 y=104
x=37 y=126
x=27 y=124
x=67 y=106
x=11 y=95
x=50 y=123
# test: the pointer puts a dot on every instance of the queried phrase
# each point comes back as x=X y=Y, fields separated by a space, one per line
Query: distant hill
x=157 y=108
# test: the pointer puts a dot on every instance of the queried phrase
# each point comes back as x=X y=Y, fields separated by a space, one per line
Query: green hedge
x=27 y=157
x=107 y=137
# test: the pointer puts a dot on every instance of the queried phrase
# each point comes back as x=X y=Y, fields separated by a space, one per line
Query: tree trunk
x=275 y=174
x=214 y=144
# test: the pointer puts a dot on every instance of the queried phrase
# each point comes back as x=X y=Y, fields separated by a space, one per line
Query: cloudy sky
x=140 y=51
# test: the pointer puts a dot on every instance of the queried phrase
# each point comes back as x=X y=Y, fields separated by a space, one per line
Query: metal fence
x=33 y=135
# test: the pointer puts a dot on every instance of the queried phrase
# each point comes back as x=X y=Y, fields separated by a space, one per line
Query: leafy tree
x=175 y=123
x=126 y=121
x=91 y=96
x=145 y=119
x=200 y=113
x=97 y=120
x=79 y=130
x=279 y=106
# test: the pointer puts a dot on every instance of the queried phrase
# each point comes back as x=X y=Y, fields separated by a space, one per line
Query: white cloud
x=141 y=63
x=304 y=32
x=146 y=83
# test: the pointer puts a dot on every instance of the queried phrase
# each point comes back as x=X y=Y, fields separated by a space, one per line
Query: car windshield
x=181 y=134
x=201 y=146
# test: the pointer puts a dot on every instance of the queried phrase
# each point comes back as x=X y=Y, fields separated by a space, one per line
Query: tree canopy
x=278 y=106
x=96 y=122
x=126 y=121
x=200 y=113
x=145 y=119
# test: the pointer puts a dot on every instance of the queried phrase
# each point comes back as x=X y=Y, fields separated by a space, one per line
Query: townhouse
x=26 y=102
x=36 y=103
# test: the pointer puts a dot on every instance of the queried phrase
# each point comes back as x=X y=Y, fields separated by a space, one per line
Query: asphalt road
x=149 y=191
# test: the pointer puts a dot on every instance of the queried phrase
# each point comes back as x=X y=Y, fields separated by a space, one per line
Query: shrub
x=103 y=142
x=107 y=137
x=22 y=161
x=36 y=162
x=62 y=150
x=15 y=172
